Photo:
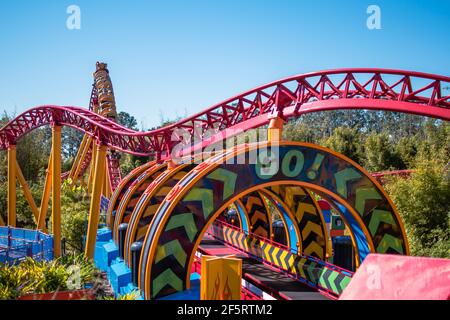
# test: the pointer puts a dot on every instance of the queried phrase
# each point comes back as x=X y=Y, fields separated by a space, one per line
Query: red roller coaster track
x=376 y=89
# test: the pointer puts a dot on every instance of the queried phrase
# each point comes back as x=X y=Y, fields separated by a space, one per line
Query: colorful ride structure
x=164 y=209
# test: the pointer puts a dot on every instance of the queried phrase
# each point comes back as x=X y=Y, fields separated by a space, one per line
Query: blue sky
x=176 y=58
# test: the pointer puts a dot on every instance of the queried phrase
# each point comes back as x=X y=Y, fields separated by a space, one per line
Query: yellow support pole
x=275 y=130
x=108 y=190
x=105 y=179
x=45 y=197
x=76 y=161
x=12 y=185
x=27 y=193
x=56 y=190
x=81 y=159
x=94 y=212
x=92 y=169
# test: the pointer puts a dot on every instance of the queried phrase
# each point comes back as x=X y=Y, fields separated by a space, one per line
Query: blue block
x=98 y=256
x=120 y=276
x=129 y=288
x=104 y=234
x=110 y=253
x=113 y=262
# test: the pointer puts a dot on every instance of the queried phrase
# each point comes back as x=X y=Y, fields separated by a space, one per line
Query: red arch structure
x=375 y=89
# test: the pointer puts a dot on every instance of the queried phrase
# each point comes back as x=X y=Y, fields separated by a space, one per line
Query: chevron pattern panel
x=200 y=197
x=257 y=214
x=307 y=216
x=150 y=201
x=122 y=188
x=132 y=195
x=314 y=272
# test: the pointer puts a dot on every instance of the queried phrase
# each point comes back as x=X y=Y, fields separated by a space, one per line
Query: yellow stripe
x=266 y=253
x=283 y=260
x=291 y=261
x=311 y=227
x=302 y=208
x=274 y=256
x=314 y=247
x=300 y=265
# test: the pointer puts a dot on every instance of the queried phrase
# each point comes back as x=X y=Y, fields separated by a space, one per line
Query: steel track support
x=94 y=212
x=45 y=196
x=27 y=192
x=81 y=159
x=12 y=197
x=78 y=158
x=56 y=189
x=275 y=132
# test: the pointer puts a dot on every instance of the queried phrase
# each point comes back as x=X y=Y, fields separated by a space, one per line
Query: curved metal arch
x=150 y=200
x=122 y=188
x=350 y=184
x=380 y=89
x=357 y=235
x=149 y=203
x=258 y=214
x=132 y=195
x=306 y=212
x=286 y=217
x=242 y=214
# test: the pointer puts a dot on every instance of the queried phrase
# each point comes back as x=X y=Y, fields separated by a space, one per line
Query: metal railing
x=18 y=244
x=286 y=248
x=217 y=231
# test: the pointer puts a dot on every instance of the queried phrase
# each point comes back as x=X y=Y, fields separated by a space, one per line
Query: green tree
x=74 y=212
x=379 y=153
x=424 y=205
x=127 y=120
x=346 y=141
x=127 y=161
x=298 y=131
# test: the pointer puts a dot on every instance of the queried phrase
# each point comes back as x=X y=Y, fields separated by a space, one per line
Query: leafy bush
x=74 y=211
x=346 y=141
x=379 y=154
x=129 y=296
x=33 y=277
x=424 y=205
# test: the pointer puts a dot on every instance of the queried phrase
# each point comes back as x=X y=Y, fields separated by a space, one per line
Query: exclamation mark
x=312 y=172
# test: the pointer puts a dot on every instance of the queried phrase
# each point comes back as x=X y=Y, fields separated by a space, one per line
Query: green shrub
x=424 y=205
x=33 y=277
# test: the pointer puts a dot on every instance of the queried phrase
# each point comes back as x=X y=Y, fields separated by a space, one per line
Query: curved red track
x=377 y=89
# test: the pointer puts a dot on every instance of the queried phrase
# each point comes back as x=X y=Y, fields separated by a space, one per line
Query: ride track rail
x=373 y=89
x=325 y=291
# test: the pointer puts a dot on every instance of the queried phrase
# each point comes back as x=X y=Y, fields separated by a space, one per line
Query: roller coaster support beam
x=275 y=132
x=94 y=212
x=27 y=192
x=80 y=158
x=45 y=196
x=56 y=189
x=107 y=183
x=12 y=185
x=92 y=169
x=76 y=161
